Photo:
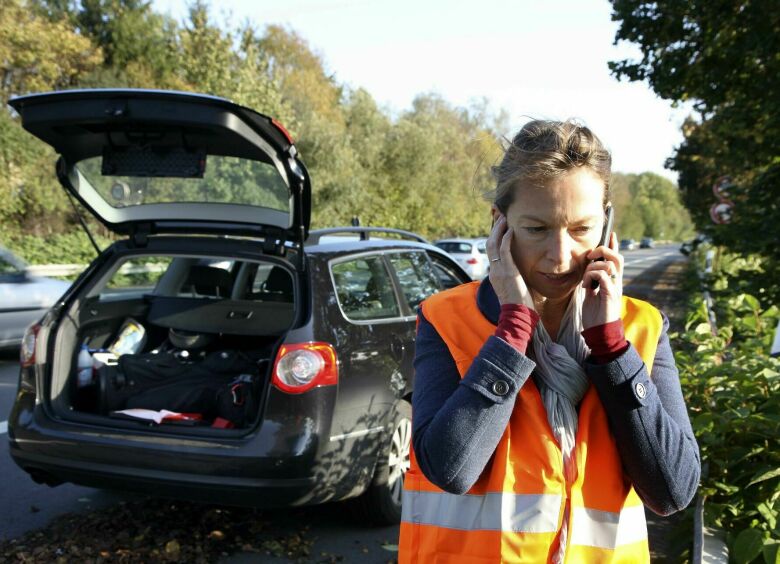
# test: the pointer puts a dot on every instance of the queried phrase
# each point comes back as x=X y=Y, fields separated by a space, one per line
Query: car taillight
x=472 y=260
x=283 y=131
x=300 y=367
x=27 y=351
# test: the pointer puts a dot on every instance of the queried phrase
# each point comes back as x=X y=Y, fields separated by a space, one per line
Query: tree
x=722 y=57
x=139 y=45
x=301 y=76
x=37 y=54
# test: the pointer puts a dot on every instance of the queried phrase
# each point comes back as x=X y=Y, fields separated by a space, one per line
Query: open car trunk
x=180 y=343
x=191 y=332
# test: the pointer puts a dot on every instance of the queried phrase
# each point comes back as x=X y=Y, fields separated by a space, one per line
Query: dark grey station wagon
x=217 y=351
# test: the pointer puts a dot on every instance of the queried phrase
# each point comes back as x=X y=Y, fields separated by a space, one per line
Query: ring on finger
x=495 y=259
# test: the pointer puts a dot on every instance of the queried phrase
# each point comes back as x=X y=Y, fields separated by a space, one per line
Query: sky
x=533 y=59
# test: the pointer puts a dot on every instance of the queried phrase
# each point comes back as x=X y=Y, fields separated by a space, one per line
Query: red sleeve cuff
x=606 y=342
x=516 y=325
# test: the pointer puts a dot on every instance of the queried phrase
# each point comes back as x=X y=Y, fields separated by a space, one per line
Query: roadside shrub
x=62 y=248
x=732 y=388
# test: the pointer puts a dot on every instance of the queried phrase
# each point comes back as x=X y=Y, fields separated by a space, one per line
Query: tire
x=380 y=504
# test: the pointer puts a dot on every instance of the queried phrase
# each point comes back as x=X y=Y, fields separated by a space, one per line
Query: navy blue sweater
x=457 y=423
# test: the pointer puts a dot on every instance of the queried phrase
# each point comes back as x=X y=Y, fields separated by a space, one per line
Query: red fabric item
x=516 y=324
x=606 y=342
x=220 y=423
x=183 y=417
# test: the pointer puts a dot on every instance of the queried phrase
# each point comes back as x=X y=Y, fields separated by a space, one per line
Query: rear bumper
x=229 y=490
x=278 y=464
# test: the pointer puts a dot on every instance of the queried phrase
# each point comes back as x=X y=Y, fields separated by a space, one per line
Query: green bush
x=732 y=388
x=62 y=248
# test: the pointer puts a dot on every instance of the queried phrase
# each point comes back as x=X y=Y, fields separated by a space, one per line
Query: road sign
x=722 y=212
x=723 y=188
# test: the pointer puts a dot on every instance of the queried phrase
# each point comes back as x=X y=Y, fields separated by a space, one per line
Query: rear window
x=226 y=180
x=416 y=275
x=137 y=275
x=455 y=247
x=270 y=283
x=206 y=278
x=364 y=289
x=447 y=273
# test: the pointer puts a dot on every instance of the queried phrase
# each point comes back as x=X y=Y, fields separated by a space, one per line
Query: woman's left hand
x=603 y=304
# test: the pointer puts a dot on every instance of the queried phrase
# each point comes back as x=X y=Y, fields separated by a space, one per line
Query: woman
x=542 y=393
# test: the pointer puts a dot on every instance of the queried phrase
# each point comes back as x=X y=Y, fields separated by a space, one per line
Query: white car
x=24 y=298
x=471 y=254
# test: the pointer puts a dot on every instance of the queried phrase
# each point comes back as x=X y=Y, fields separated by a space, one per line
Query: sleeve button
x=641 y=390
x=500 y=388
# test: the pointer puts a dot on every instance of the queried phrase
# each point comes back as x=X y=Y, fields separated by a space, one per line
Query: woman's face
x=555 y=226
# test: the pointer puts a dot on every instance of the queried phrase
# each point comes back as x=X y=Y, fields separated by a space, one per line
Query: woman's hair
x=544 y=150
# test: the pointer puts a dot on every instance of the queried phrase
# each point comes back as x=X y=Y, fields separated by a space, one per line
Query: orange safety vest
x=514 y=512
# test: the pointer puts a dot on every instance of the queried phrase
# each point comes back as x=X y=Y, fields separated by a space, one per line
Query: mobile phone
x=605 y=234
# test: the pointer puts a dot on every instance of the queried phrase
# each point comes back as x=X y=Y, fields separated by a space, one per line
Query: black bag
x=237 y=402
x=220 y=385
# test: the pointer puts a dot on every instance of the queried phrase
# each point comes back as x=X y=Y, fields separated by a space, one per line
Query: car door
x=417 y=279
x=371 y=317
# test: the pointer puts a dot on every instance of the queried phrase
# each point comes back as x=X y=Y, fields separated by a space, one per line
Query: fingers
x=494 y=240
x=609 y=253
x=603 y=272
x=504 y=275
x=603 y=279
x=606 y=265
x=505 y=251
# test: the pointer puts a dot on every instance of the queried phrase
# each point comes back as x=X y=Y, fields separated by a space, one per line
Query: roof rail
x=314 y=236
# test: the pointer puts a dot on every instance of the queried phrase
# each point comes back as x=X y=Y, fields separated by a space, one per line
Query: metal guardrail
x=55 y=269
x=709 y=545
x=75 y=269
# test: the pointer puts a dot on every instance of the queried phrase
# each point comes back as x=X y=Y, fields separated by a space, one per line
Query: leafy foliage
x=61 y=248
x=732 y=388
x=648 y=205
x=38 y=54
x=722 y=58
x=423 y=169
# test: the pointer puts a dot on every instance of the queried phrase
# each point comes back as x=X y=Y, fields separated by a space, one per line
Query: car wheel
x=381 y=502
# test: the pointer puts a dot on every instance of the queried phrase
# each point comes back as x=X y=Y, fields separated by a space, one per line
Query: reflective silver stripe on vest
x=508 y=512
x=602 y=529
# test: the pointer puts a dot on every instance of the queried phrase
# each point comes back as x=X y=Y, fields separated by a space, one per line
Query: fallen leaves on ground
x=156 y=530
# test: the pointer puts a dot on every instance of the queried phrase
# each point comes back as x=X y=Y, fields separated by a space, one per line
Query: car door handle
x=398 y=348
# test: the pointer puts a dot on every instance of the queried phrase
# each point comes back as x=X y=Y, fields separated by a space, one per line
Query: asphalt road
x=27 y=506
x=640 y=260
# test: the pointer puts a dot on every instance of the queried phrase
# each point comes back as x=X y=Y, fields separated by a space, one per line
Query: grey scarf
x=562 y=383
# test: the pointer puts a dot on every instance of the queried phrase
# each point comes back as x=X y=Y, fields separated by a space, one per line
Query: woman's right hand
x=504 y=276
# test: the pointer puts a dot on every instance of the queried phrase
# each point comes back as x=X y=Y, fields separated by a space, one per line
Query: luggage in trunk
x=220 y=384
